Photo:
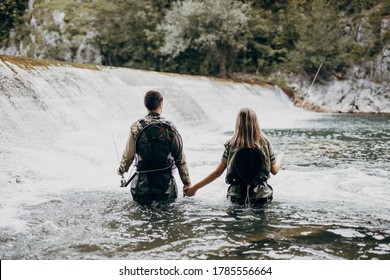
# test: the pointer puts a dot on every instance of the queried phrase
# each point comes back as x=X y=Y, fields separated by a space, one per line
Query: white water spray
x=59 y=122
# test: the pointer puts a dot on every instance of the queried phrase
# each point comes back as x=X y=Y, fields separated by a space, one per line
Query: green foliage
x=379 y=37
x=386 y=38
x=128 y=33
x=319 y=41
x=11 y=12
x=217 y=27
x=353 y=6
x=259 y=53
x=208 y=37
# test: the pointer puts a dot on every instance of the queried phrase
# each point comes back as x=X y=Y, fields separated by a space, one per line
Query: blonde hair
x=247 y=132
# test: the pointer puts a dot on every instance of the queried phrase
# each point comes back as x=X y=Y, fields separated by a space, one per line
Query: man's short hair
x=152 y=99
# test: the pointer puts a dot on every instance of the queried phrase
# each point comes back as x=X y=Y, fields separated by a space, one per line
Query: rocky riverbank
x=352 y=95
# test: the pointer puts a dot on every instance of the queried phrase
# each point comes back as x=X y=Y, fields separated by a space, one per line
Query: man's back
x=156 y=146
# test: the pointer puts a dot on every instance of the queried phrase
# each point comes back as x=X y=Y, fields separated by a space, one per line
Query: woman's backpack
x=247 y=168
x=247 y=175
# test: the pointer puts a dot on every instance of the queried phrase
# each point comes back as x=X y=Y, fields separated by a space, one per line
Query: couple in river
x=156 y=148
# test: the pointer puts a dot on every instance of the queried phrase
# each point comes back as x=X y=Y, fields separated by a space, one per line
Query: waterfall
x=61 y=123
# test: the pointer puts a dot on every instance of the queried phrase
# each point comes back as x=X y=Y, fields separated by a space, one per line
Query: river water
x=60 y=196
x=331 y=202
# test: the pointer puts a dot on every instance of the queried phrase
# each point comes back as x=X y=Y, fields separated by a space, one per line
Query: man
x=157 y=147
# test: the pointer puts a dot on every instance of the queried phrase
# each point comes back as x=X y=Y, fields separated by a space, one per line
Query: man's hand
x=185 y=187
x=189 y=190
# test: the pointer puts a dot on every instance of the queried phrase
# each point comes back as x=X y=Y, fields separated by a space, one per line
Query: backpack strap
x=143 y=123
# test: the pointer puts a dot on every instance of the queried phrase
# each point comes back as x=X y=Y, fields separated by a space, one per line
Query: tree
x=319 y=40
x=128 y=35
x=11 y=12
x=265 y=47
x=217 y=28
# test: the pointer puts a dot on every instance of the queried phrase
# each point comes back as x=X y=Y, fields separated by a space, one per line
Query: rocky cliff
x=365 y=88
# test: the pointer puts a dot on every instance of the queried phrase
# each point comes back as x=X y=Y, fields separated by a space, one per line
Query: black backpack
x=158 y=146
x=247 y=168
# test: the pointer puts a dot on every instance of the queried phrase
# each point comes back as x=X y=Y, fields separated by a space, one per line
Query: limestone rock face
x=353 y=95
x=54 y=36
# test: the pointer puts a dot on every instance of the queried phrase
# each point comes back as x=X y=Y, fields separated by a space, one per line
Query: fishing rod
x=303 y=104
x=113 y=140
x=123 y=180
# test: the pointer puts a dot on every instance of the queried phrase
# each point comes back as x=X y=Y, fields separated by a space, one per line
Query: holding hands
x=189 y=190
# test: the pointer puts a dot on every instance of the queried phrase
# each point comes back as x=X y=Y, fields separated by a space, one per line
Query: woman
x=247 y=134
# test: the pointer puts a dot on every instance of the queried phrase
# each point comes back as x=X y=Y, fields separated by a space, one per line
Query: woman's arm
x=190 y=191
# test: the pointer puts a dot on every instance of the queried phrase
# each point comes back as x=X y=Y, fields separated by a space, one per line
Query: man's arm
x=181 y=165
x=128 y=153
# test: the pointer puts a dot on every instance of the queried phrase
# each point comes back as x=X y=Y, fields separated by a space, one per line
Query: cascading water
x=57 y=120
x=60 y=128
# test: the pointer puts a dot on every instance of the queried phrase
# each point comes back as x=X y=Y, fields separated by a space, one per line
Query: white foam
x=349 y=233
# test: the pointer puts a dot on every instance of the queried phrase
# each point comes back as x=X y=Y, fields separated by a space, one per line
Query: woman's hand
x=189 y=191
x=278 y=165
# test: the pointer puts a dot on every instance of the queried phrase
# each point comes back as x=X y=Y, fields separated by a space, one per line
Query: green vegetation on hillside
x=11 y=12
x=209 y=37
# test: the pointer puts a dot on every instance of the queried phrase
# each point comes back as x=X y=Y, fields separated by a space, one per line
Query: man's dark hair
x=152 y=99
